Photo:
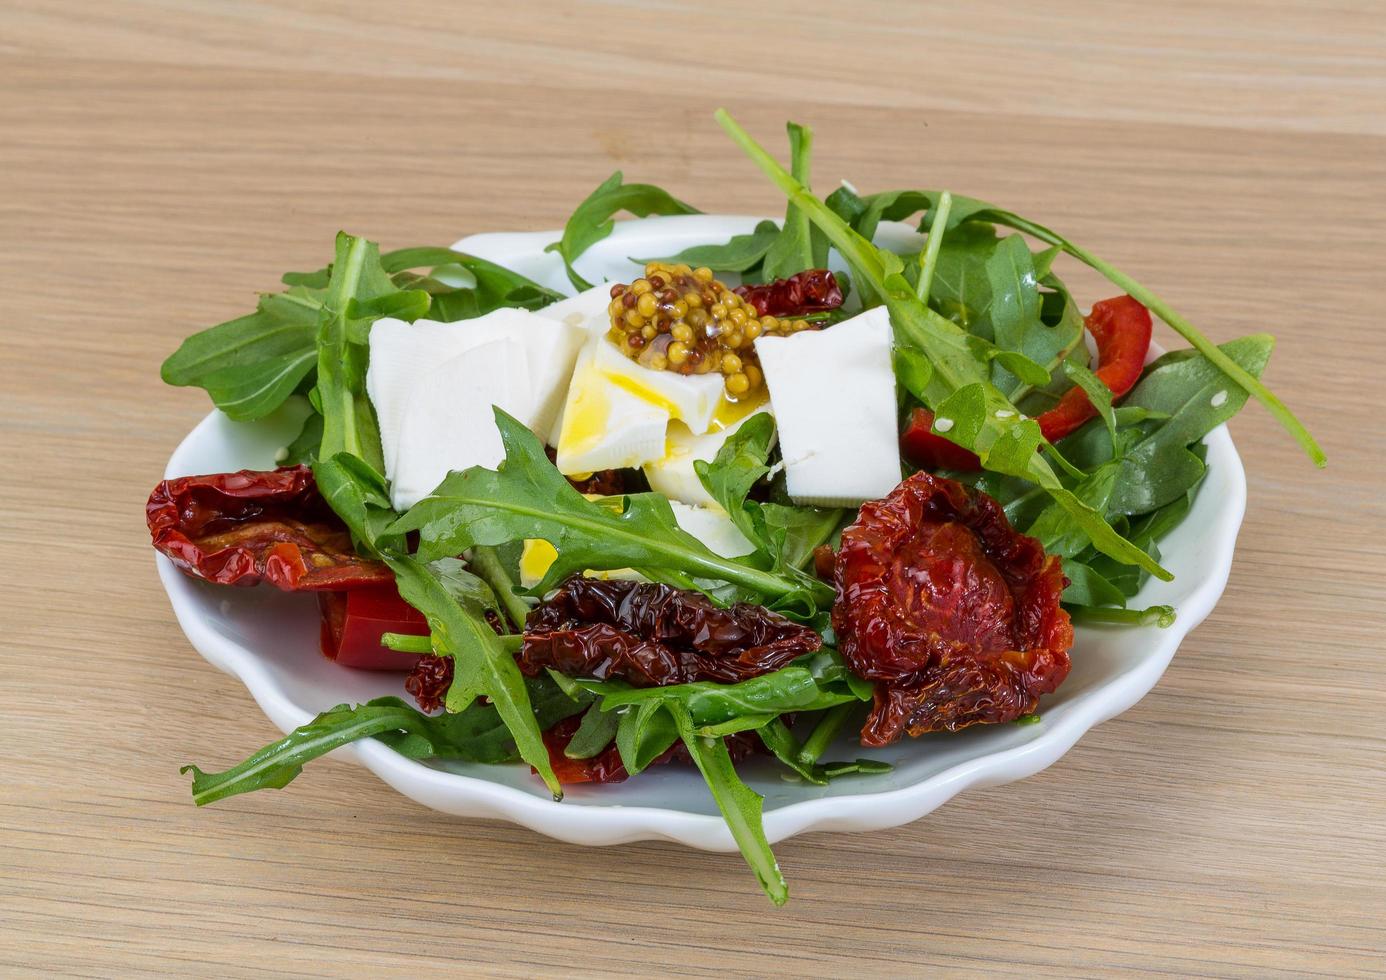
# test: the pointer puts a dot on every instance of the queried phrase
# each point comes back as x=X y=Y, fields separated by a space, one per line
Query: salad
x=742 y=504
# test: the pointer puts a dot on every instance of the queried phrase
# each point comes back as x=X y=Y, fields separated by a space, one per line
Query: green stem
x=1161 y=616
x=855 y=249
x=929 y=257
x=1234 y=371
x=407 y=642
x=487 y=564
x=410 y=643
x=800 y=167
x=824 y=733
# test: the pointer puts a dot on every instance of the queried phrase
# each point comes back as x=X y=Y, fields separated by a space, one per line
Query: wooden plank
x=162 y=162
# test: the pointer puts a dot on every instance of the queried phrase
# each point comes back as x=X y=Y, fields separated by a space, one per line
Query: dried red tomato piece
x=810 y=291
x=954 y=614
x=429 y=681
x=652 y=635
x=251 y=526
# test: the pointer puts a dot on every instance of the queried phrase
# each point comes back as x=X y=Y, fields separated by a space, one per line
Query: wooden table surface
x=162 y=161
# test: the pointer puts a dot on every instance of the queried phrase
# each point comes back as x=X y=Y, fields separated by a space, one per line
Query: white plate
x=269 y=640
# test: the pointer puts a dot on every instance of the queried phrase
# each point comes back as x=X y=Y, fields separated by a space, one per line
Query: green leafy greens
x=986 y=335
x=592 y=221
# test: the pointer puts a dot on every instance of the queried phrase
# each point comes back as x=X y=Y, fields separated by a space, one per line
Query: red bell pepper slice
x=353 y=622
x=925 y=448
x=1120 y=327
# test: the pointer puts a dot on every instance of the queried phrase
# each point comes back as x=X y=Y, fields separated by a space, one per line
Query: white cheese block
x=674 y=475
x=448 y=423
x=587 y=310
x=713 y=528
x=605 y=426
x=692 y=398
x=833 y=394
x=551 y=347
x=402 y=354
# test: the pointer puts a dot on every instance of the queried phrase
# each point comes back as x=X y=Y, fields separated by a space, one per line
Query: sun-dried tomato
x=810 y=291
x=953 y=613
x=251 y=526
x=429 y=681
x=652 y=635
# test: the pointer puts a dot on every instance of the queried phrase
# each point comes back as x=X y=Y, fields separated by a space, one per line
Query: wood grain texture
x=161 y=161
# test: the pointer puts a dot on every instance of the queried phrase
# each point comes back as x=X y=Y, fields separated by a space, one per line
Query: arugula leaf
x=482 y=665
x=739 y=464
x=1194 y=393
x=784 y=535
x=1015 y=298
x=596 y=732
x=526 y=497
x=488 y=563
x=958 y=358
x=644 y=733
x=741 y=806
x=1086 y=587
x=799 y=245
x=971 y=209
x=591 y=222
x=777 y=737
x=741 y=253
x=463 y=286
x=250 y=365
x=794 y=531
x=475 y=735
x=349 y=424
x=1098 y=394
x=472 y=592
x=816 y=681
x=304 y=449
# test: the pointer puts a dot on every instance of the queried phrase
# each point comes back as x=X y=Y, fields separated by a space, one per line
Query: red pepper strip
x=353 y=622
x=1121 y=329
x=247 y=527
